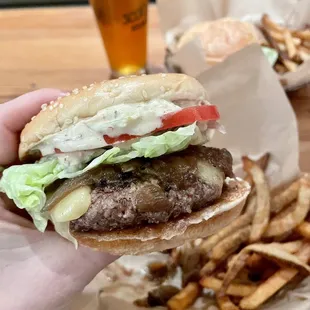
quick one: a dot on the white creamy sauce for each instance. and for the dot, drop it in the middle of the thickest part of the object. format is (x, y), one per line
(133, 119)
(75, 160)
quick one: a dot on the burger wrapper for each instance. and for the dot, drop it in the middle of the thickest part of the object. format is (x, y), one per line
(190, 58)
(258, 119)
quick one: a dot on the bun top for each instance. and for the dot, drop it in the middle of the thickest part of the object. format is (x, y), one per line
(221, 38)
(86, 102)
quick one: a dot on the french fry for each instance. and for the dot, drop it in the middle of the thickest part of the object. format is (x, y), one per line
(302, 34)
(240, 222)
(290, 247)
(234, 289)
(190, 262)
(274, 283)
(254, 261)
(305, 48)
(235, 267)
(185, 298)
(288, 43)
(290, 65)
(268, 288)
(268, 23)
(303, 53)
(221, 275)
(280, 68)
(285, 197)
(262, 162)
(251, 205)
(282, 47)
(283, 224)
(230, 244)
(208, 268)
(304, 252)
(277, 36)
(290, 46)
(261, 216)
(225, 303)
(304, 229)
(280, 39)
(271, 252)
(230, 260)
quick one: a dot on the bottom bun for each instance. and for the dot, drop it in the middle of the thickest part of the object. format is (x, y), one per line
(163, 236)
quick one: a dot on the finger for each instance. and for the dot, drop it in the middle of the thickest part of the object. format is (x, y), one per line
(16, 113)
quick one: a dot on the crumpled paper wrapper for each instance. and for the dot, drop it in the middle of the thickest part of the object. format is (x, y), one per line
(190, 58)
(258, 118)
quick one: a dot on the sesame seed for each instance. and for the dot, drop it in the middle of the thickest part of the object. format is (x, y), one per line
(33, 117)
(163, 75)
(143, 74)
(75, 91)
(58, 98)
(90, 88)
(61, 105)
(55, 104)
(85, 99)
(51, 107)
(144, 94)
(116, 85)
(68, 121)
(121, 77)
(162, 88)
(132, 76)
(43, 106)
(51, 102)
(84, 87)
(91, 85)
(67, 94)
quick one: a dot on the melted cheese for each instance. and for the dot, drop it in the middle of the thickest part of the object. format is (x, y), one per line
(72, 206)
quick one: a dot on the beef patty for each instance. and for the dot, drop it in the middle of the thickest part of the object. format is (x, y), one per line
(148, 191)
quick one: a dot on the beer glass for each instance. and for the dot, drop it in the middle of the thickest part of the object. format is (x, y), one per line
(123, 28)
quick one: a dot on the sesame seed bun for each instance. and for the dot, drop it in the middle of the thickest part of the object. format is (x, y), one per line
(221, 38)
(89, 100)
(159, 237)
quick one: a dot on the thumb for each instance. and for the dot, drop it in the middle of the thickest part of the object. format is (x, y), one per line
(15, 114)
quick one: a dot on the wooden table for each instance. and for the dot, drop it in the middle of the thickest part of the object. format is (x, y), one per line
(61, 47)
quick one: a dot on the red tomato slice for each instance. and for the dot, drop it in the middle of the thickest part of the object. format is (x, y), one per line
(190, 115)
(181, 118)
(121, 138)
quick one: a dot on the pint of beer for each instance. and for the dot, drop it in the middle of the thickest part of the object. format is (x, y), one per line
(123, 27)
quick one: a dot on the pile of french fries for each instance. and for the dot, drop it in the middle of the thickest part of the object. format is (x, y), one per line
(256, 255)
(293, 46)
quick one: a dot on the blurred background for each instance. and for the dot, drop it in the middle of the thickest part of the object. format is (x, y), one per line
(33, 3)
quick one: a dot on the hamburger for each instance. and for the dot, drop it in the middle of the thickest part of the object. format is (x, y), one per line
(220, 38)
(120, 166)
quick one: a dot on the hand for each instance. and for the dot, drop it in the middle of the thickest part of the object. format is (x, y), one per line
(37, 271)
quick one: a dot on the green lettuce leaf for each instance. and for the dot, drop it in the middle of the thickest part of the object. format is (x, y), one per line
(271, 54)
(25, 184)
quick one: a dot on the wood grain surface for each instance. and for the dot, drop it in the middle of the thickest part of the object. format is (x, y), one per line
(61, 47)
